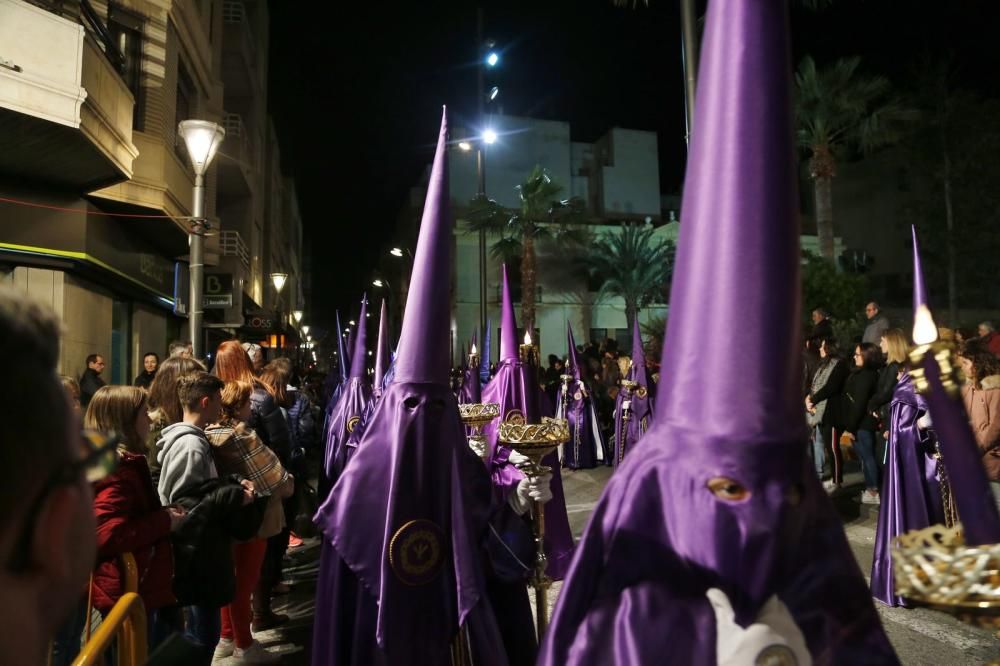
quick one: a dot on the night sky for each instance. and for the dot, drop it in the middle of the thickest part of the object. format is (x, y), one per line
(356, 91)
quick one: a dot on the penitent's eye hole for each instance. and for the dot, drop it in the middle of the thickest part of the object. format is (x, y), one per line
(411, 402)
(727, 489)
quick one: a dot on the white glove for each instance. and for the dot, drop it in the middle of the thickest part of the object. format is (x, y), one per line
(924, 422)
(773, 631)
(517, 459)
(478, 446)
(530, 489)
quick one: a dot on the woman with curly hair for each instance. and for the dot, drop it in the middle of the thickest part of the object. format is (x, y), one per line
(981, 395)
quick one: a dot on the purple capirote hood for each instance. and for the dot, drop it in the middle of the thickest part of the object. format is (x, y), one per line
(659, 537)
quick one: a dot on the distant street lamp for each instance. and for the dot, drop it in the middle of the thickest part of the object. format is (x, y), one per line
(305, 329)
(297, 316)
(202, 139)
(278, 280)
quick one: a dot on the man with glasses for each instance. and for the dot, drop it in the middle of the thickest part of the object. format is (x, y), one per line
(47, 534)
(878, 324)
(90, 380)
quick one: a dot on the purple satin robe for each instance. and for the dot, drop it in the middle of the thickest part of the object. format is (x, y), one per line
(585, 448)
(911, 493)
(515, 389)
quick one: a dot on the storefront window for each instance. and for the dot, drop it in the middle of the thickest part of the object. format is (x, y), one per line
(121, 333)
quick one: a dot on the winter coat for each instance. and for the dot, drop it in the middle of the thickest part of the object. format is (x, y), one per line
(185, 461)
(238, 450)
(881, 400)
(130, 519)
(983, 406)
(875, 328)
(203, 541)
(852, 405)
(268, 422)
(144, 379)
(301, 424)
(827, 383)
(90, 381)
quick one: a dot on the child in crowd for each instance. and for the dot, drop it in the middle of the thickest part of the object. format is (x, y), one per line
(129, 516)
(237, 449)
(219, 510)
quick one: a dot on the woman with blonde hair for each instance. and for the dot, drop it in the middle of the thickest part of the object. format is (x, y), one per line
(894, 349)
(237, 449)
(130, 518)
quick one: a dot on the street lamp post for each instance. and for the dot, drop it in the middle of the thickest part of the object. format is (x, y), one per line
(202, 138)
(278, 280)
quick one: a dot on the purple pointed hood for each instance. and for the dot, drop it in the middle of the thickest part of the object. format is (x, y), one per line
(515, 388)
(471, 392)
(977, 510)
(342, 358)
(572, 359)
(508, 323)
(637, 372)
(919, 290)
(359, 353)
(669, 526)
(586, 447)
(382, 349)
(404, 516)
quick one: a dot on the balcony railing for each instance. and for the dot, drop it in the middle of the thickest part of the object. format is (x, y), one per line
(231, 244)
(237, 141)
(84, 13)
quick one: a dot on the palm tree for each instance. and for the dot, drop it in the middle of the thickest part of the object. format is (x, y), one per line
(839, 109)
(633, 265)
(541, 217)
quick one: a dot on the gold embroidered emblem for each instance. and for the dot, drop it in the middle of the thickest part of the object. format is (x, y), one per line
(515, 416)
(641, 392)
(416, 552)
(352, 423)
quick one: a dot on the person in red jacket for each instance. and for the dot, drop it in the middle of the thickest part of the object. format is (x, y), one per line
(129, 516)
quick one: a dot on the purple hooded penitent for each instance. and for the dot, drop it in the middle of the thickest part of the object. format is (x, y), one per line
(640, 403)
(348, 411)
(515, 388)
(401, 570)
(963, 460)
(471, 392)
(585, 447)
(336, 381)
(378, 381)
(718, 493)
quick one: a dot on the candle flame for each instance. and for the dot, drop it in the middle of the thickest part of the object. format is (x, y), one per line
(527, 338)
(473, 350)
(924, 329)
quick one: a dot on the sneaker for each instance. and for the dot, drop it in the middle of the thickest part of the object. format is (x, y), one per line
(868, 497)
(224, 649)
(830, 487)
(255, 653)
(268, 621)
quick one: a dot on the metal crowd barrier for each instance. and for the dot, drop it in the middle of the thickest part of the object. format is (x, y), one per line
(126, 622)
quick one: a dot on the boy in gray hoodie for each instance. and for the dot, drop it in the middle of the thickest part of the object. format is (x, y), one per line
(203, 571)
(185, 455)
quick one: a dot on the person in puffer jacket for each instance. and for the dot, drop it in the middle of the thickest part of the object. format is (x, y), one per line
(129, 516)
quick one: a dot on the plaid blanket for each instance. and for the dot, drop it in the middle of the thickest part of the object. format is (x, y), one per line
(237, 449)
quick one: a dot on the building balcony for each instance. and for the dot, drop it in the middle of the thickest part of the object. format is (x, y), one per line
(240, 71)
(236, 161)
(65, 111)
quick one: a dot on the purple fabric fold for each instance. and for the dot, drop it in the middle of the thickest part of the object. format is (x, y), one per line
(911, 493)
(586, 447)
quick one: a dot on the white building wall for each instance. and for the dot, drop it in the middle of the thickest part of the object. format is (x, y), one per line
(523, 143)
(631, 181)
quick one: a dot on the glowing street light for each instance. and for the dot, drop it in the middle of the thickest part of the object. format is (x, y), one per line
(466, 147)
(398, 252)
(305, 329)
(492, 59)
(494, 92)
(378, 283)
(297, 316)
(489, 137)
(278, 280)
